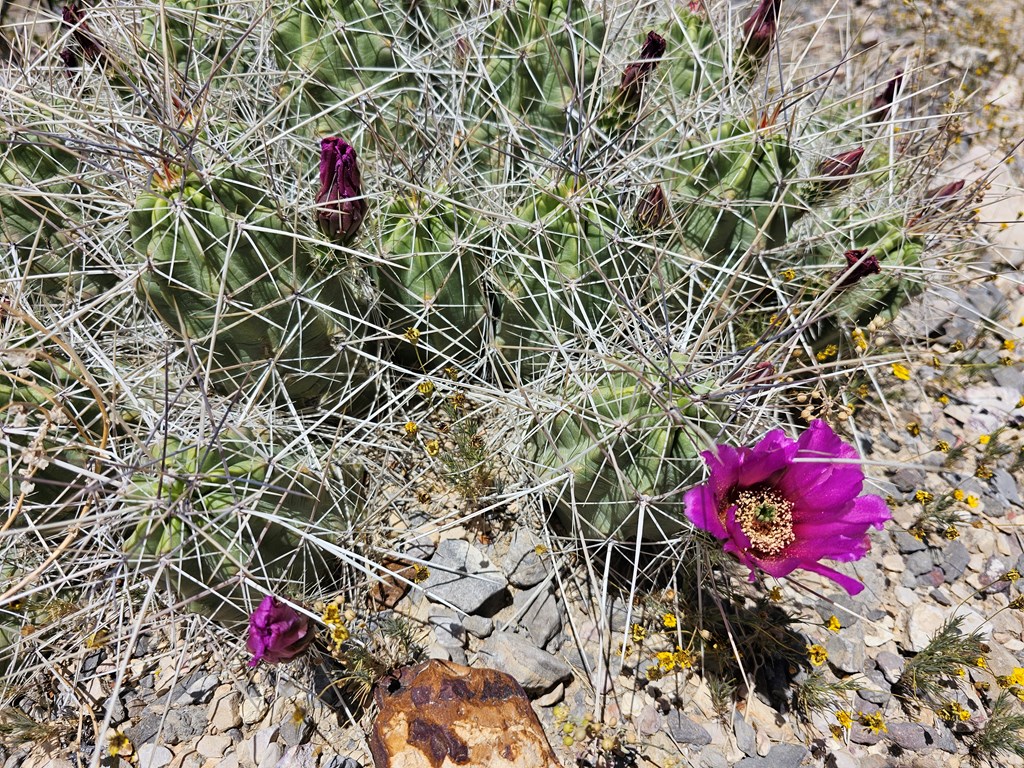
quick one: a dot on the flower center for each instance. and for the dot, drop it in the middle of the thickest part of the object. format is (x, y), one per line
(767, 519)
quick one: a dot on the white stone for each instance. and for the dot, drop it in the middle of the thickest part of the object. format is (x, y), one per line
(153, 756)
(224, 710)
(213, 745)
(894, 563)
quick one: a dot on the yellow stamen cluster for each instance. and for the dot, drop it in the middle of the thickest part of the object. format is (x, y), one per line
(337, 632)
(767, 520)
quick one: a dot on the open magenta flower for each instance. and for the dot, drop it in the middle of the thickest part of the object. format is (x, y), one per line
(787, 504)
(277, 632)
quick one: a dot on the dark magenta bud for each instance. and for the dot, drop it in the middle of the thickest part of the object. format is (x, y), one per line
(74, 18)
(883, 101)
(340, 207)
(835, 172)
(859, 265)
(760, 29)
(942, 195)
(277, 632)
(633, 78)
(652, 209)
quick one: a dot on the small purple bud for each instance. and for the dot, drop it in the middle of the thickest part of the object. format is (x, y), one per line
(652, 209)
(858, 266)
(74, 17)
(942, 195)
(760, 29)
(277, 632)
(883, 101)
(634, 76)
(340, 206)
(835, 172)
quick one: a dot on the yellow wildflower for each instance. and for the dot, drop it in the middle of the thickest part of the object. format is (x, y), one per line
(433, 447)
(637, 633)
(914, 429)
(425, 388)
(120, 745)
(844, 718)
(951, 533)
(666, 660)
(873, 721)
(411, 428)
(788, 275)
(923, 496)
(683, 658)
(833, 625)
(985, 439)
(669, 621)
(971, 501)
(980, 663)
(944, 399)
(959, 494)
(420, 573)
(775, 594)
(1011, 575)
(412, 336)
(817, 655)
(942, 446)
(1009, 345)
(901, 372)
(1016, 677)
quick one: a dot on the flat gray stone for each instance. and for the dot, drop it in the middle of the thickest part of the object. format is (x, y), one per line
(154, 756)
(1006, 486)
(686, 731)
(890, 665)
(955, 559)
(478, 626)
(462, 576)
(909, 736)
(539, 613)
(907, 544)
(300, 756)
(786, 756)
(746, 739)
(522, 565)
(846, 649)
(536, 670)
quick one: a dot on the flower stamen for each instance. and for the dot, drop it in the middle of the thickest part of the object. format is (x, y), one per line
(766, 517)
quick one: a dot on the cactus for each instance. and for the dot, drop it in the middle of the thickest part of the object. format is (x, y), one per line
(230, 275)
(229, 515)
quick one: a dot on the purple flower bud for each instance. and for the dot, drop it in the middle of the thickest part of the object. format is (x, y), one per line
(652, 209)
(277, 632)
(858, 266)
(760, 29)
(944, 194)
(835, 171)
(631, 88)
(340, 208)
(880, 106)
(74, 17)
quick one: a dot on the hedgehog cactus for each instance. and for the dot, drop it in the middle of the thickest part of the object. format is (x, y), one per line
(227, 512)
(231, 276)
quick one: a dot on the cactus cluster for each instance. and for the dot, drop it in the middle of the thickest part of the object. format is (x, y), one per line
(606, 220)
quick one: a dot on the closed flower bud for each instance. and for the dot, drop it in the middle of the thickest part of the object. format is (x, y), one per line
(760, 29)
(937, 200)
(631, 88)
(652, 209)
(74, 18)
(859, 265)
(883, 101)
(340, 208)
(834, 173)
(277, 632)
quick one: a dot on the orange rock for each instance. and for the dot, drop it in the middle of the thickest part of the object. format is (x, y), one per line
(440, 715)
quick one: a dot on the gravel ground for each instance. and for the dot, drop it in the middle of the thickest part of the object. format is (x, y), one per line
(943, 443)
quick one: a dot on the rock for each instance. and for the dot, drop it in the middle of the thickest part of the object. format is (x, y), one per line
(861, 735)
(712, 758)
(146, 729)
(919, 563)
(153, 756)
(955, 559)
(448, 630)
(907, 544)
(1006, 486)
(253, 707)
(686, 731)
(536, 670)
(846, 649)
(908, 479)
(909, 736)
(478, 626)
(539, 613)
(337, 761)
(552, 697)
(786, 756)
(299, 756)
(522, 565)
(890, 665)
(746, 738)
(224, 712)
(259, 747)
(942, 738)
(213, 745)
(991, 575)
(649, 721)
(197, 688)
(183, 723)
(295, 724)
(923, 621)
(461, 576)
(878, 690)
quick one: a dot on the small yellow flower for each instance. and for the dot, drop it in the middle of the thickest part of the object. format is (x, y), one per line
(788, 275)
(959, 494)
(956, 346)
(1017, 677)
(942, 446)
(669, 621)
(1020, 403)
(1017, 603)
(951, 533)
(655, 673)
(637, 633)
(540, 549)
(817, 655)
(859, 340)
(458, 400)
(775, 594)
(433, 447)
(917, 532)
(833, 625)
(983, 472)
(827, 353)
(684, 659)
(420, 573)
(873, 721)
(412, 336)
(425, 388)
(452, 372)
(923, 496)
(1011, 575)
(971, 501)
(411, 428)
(914, 429)
(666, 660)
(980, 663)
(97, 639)
(985, 439)
(944, 399)
(844, 718)
(1009, 345)
(120, 745)
(901, 372)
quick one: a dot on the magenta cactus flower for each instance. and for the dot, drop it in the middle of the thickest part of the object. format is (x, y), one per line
(277, 632)
(786, 505)
(858, 266)
(340, 207)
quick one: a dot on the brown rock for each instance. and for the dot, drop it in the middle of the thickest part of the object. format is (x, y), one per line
(441, 715)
